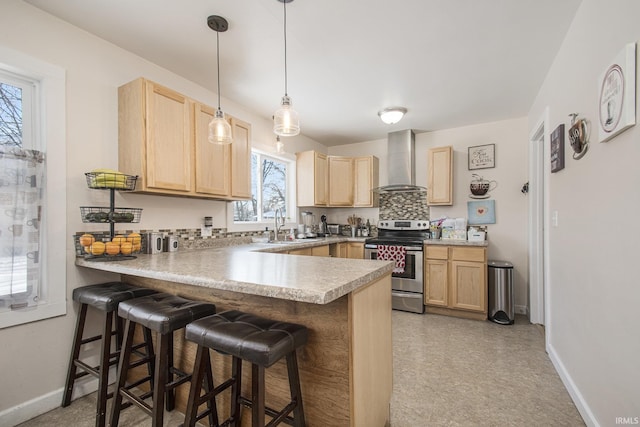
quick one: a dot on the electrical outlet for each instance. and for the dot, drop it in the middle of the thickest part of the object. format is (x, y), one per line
(206, 231)
(554, 219)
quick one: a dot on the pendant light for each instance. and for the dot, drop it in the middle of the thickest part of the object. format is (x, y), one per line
(285, 120)
(219, 128)
(279, 145)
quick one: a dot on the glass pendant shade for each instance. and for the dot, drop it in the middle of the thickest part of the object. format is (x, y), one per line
(285, 120)
(220, 130)
(279, 145)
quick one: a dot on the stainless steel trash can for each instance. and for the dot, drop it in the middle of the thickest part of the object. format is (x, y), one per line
(501, 303)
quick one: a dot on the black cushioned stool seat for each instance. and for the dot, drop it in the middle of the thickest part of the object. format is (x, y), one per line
(104, 297)
(261, 342)
(163, 313)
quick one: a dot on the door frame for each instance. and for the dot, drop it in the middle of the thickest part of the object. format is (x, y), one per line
(539, 170)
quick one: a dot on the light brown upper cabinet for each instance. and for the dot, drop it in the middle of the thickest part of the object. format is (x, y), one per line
(240, 160)
(341, 182)
(440, 179)
(336, 180)
(311, 178)
(366, 171)
(162, 138)
(213, 161)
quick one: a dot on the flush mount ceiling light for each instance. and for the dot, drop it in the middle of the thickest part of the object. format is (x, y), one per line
(392, 115)
(219, 128)
(285, 120)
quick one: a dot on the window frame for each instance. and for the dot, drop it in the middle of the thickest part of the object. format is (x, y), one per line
(49, 113)
(236, 226)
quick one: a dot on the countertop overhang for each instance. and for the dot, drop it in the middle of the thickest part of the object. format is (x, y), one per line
(253, 269)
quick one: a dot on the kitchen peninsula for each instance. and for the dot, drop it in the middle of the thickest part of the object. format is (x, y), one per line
(346, 366)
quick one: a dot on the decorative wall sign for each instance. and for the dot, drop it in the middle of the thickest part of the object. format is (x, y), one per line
(481, 212)
(482, 156)
(617, 95)
(579, 133)
(557, 149)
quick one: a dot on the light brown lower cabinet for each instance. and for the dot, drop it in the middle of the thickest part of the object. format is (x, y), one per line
(354, 250)
(456, 281)
(315, 251)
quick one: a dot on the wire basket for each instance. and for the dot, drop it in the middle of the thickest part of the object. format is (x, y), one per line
(85, 250)
(111, 181)
(96, 214)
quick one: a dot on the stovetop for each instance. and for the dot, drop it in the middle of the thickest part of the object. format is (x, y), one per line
(401, 232)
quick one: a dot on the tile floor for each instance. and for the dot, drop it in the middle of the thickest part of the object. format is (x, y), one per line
(447, 372)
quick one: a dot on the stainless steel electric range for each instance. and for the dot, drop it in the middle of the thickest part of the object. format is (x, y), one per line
(407, 283)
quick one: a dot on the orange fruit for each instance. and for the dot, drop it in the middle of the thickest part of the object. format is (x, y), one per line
(126, 248)
(112, 248)
(87, 249)
(119, 239)
(87, 239)
(97, 248)
(137, 247)
(134, 238)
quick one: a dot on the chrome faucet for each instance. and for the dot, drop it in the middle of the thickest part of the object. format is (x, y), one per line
(279, 224)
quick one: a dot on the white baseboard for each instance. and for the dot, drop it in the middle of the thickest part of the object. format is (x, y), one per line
(45, 403)
(575, 394)
(521, 309)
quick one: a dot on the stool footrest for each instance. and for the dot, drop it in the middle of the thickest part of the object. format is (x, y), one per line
(135, 400)
(277, 416)
(182, 378)
(90, 339)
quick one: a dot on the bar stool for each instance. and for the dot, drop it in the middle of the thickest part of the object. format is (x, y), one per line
(260, 341)
(163, 313)
(104, 297)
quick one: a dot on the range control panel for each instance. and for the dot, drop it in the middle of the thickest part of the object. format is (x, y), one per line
(403, 224)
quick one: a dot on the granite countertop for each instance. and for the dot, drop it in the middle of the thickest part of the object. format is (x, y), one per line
(451, 242)
(253, 269)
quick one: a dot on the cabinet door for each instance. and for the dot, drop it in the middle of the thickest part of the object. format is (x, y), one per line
(212, 161)
(168, 139)
(340, 181)
(366, 179)
(355, 250)
(311, 178)
(440, 178)
(241, 160)
(320, 250)
(436, 281)
(303, 251)
(468, 286)
(320, 179)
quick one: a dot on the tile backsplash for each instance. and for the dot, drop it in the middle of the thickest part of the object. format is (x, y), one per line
(404, 205)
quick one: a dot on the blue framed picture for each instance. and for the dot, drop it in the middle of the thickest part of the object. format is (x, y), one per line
(481, 212)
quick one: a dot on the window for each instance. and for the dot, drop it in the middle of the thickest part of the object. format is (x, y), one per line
(270, 190)
(32, 189)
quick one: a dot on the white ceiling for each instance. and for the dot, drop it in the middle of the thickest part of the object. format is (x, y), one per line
(450, 63)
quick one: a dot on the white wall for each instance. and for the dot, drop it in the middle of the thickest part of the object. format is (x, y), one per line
(508, 237)
(34, 357)
(593, 333)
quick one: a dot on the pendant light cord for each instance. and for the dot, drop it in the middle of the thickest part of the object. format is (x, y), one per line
(284, 5)
(218, 61)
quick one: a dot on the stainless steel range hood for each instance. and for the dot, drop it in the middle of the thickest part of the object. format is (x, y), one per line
(401, 163)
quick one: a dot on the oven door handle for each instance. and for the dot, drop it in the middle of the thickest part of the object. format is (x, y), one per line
(407, 248)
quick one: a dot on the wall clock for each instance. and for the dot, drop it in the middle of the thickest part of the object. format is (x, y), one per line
(617, 95)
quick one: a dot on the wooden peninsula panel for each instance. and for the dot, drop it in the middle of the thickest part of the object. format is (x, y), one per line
(345, 368)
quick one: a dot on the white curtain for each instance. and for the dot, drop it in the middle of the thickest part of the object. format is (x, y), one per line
(22, 175)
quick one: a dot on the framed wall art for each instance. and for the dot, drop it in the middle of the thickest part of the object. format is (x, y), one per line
(557, 149)
(482, 156)
(617, 95)
(481, 212)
